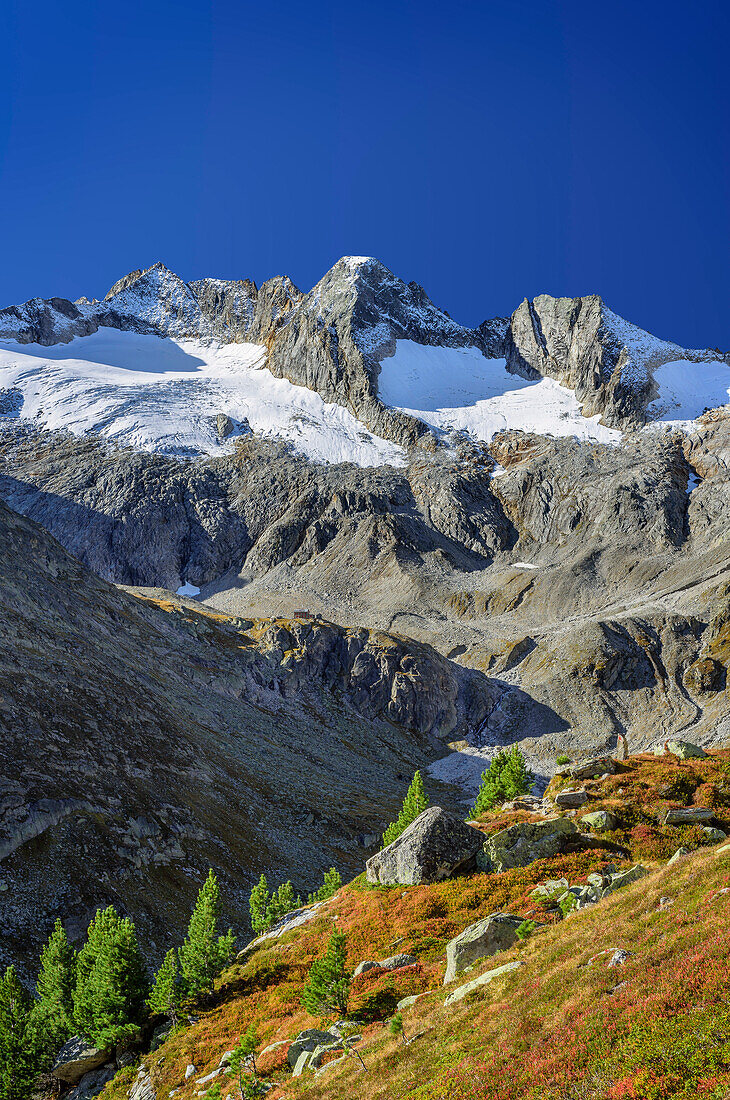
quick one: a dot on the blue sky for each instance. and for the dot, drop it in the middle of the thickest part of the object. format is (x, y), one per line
(487, 150)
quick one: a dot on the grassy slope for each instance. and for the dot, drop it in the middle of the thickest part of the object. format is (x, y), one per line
(558, 1029)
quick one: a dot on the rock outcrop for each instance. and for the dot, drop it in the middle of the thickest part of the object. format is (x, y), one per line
(431, 849)
(480, 940)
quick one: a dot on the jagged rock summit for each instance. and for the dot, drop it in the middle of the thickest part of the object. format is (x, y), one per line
(364, 341)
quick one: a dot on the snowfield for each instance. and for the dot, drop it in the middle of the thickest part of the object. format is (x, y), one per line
(458, 389)
(687, 389)
(165, 395)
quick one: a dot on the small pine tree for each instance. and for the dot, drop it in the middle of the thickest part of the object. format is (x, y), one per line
(396, 1027)
(51, 1016)
(166, 992)
(244, 1053)
(414, 804)
(331, 884)
(205, 952)
(19, 1059)
(517, 776)
(328, 988)
(258, 904)
(281, 903)
(506, 777)
(111, 980)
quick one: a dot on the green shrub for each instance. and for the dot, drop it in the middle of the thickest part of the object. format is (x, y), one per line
(563, 758)
(524, 930)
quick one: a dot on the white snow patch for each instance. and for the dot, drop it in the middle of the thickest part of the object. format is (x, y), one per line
(164, 395)
(188, 589)
(458, 389)
(688, 389)
(523, 565)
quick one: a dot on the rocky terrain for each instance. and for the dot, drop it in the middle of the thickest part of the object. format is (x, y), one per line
(385, 584)
(537, 950)
(144, 739)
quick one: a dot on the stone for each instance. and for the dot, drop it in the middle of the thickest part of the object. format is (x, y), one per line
(142, 1088)
(408, 1002)
(571, 800)
(301, 1063)
(680, 854)
(306, 1042)
(395, 962)
(724, 851)
(189, 1071)
(91, 1084)
(625, 878)
(224, 425)
(461, 991)
(209, 1077)
(487, 937)
(315, 1058)
(431, 849)
(77, 1057)
(714, 836)
(688, 815)
(600, 821)
(685, 750)
(591, 769)
(619, 957)
(523, 843)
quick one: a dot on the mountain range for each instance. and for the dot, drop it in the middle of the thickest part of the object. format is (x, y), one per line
(265, 552)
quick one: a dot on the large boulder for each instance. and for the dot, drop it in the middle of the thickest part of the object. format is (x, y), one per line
(487, 937)
(394, 962)
(625, 878)
(78, 1057)
(571, 800)
(600, 821)
(431, 849)
(306, 1042)
(685, 750)
(591, 769)
(92, 1083)
(689, 815)
(523, 843)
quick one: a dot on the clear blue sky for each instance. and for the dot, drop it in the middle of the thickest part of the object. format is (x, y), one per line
(487, 150)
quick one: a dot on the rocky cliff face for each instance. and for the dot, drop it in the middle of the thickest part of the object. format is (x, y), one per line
(607, 361)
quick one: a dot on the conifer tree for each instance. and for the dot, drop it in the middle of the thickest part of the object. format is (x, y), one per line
(166, 991)
(281, 903)
(243, 1054)
(258, 904)
(51, 1016)
(414, 804)
(328, 988)
(111, 981)
(19, 1061)
(328, 889)
(506, 777)
(205, 952)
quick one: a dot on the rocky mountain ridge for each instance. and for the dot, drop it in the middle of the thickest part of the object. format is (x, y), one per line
(334, 339)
